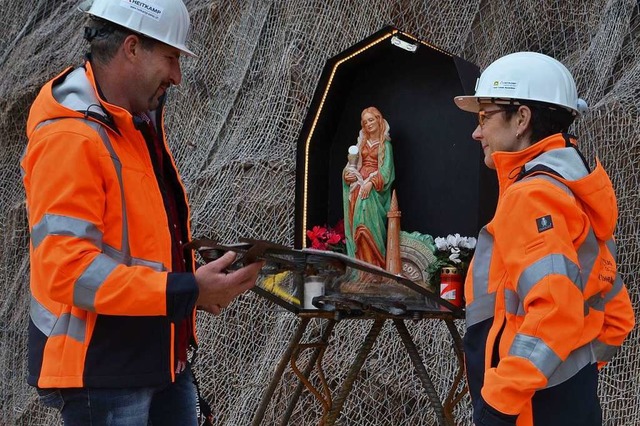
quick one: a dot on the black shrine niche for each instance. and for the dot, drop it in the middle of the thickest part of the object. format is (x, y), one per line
(442, 184)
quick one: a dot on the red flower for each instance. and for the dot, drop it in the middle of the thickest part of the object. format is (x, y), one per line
(327, 238)
(339, 228)
(333, 237)
(317, 233)
(318, 245)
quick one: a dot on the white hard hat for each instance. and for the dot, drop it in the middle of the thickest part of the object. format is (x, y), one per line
(163, 20)
(525, 76)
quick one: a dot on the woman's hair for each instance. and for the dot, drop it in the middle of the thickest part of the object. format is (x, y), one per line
(546, 120)
(105, 38)
(382, 130)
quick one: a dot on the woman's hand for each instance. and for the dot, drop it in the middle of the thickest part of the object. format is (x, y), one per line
(366, 189)
(350, 177)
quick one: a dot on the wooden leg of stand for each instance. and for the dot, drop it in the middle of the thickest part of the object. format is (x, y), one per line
(345, 389)
(421, 371)
(268, 394)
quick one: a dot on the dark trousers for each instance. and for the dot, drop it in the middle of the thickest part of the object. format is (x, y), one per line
(173, 404)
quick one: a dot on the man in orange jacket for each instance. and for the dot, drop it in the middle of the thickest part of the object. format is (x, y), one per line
(546, 307)
(113, 295)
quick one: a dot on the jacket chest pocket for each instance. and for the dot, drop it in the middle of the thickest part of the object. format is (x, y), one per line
(146, 216)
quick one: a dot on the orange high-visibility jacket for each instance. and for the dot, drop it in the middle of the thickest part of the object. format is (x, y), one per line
(544, 299)
(104, 303)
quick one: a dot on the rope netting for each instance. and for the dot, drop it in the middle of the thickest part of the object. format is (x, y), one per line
(233, 126)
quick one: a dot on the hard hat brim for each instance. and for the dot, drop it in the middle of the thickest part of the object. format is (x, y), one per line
(184, 50)
(467, 103)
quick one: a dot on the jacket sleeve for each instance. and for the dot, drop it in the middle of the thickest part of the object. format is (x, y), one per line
(618, 322)
(485, 415)
(535, 228)
(64, 178)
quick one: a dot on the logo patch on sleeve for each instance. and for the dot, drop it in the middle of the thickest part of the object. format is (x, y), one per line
(544, 223)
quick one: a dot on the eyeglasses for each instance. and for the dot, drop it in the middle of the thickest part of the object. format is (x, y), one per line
(482, 115)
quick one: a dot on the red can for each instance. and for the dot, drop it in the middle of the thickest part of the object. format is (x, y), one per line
(451, 285)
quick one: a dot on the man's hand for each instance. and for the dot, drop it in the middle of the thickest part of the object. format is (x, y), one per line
(218, 288)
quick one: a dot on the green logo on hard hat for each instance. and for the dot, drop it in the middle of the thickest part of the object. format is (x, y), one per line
(496, 83)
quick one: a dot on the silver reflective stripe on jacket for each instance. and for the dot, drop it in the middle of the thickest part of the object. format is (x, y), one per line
(545, 359)
(557, 264)
(53, 224)
(51, 325)
(553, 264)
(90, 281)
(119, 257)
(118, 166)
(483, 305)
(533, 348)
(604, 352)
(588, 253)
(565, 161)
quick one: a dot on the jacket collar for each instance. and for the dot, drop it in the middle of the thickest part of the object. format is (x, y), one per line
(593, 189)
(78, 90)
(510, 164)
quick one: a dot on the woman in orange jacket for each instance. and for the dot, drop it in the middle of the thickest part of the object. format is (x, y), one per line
(546, 307)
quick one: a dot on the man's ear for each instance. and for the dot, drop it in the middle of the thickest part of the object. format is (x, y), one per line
(131, 46)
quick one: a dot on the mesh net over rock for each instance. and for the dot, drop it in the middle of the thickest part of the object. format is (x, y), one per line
(233, 126)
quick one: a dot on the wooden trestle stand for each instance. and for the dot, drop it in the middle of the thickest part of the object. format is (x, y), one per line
(332, 406)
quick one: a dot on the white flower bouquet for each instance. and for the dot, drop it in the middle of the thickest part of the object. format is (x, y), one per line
(452, 250)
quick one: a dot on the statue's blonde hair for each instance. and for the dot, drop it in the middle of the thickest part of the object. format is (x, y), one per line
(383, 130)
(383, 127)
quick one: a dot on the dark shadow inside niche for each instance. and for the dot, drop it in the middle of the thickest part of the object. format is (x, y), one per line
(442, 184)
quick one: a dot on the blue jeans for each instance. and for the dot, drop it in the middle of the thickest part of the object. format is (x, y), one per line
(173, 404)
